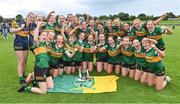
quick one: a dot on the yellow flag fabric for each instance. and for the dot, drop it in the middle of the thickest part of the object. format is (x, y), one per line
(97, 84)
(103, 84)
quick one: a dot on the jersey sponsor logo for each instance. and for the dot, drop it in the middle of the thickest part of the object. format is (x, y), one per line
(139, 55)
(157, 37)
(112, 53)
(153, 59)
(126, 53)
(40, 50)
(140, 33)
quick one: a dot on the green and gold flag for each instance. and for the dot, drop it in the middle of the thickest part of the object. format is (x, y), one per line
(97, 84)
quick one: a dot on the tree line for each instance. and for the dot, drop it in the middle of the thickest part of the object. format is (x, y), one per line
(123, 16)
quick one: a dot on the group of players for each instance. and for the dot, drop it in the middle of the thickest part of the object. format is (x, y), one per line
(68, 45)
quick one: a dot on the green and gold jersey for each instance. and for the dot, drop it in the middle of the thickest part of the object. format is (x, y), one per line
(156, 34)
(128, 55)
(114, 56)
(79, 31)
(131, 34)
(114, 31)
(78, 56)
(87, 54)
(140, 57)
(152, 56)
(101, 55)
(119, 32)
(41, 54)
(154, 60)
(94, 29)
(56, 54)
(141, 33)
(48, 27)
(71, 47)
(50, 44)
(57, 28)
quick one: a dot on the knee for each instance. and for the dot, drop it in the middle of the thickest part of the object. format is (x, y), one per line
(142, 81)
(68, 72)
(150, 84)
(117, 72)
(43, 92)
(99, 70)
(136, 78)
(51, 86)
(158, 88)
(25, 60)
(109, 72)
(124, 74)
(21, 62)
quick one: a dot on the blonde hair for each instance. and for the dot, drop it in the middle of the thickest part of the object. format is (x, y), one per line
(117, 19)
(64, 41)
(136, 20)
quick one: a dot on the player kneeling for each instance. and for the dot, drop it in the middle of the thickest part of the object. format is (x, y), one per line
(42, 68)
(154, 57)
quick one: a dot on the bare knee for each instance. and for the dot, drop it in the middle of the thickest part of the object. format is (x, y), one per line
(43, 92)
(150, 84)
(21, 62)
(136, 78)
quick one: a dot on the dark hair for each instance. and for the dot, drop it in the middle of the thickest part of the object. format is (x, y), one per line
(69, 15)
(49, 15)
(82, 22)
(100, 23)
(128, 23)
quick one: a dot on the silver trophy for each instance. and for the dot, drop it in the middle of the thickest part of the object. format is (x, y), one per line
(84, 75)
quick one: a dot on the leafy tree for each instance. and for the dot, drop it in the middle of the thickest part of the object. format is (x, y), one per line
(103, 17)
(132, 17)
(142, 16)
(171, 15)
(124, 16)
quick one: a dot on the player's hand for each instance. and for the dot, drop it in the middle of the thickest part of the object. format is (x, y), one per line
(76, 49)
(153, 46)
(22, 26)
(92, 49)
(77, 27)
(41, 24)
(81, 49)
(64, 24)
(163, 27)
(164, 15)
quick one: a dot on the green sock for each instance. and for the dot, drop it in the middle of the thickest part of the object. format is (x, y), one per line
(21, 78)
(28, 89)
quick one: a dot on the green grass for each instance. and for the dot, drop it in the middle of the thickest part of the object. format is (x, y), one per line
(128, 90)
(163, 22)
(170, 22)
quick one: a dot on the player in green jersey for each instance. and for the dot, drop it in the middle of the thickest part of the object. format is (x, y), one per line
(114, 57)
(42, 68)
(101, 54)
(155, 33)
(141, 29)
(128, 60)
(56, 54)
(154, 57)
(88, 51)
(129, 31)
(51, 19)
